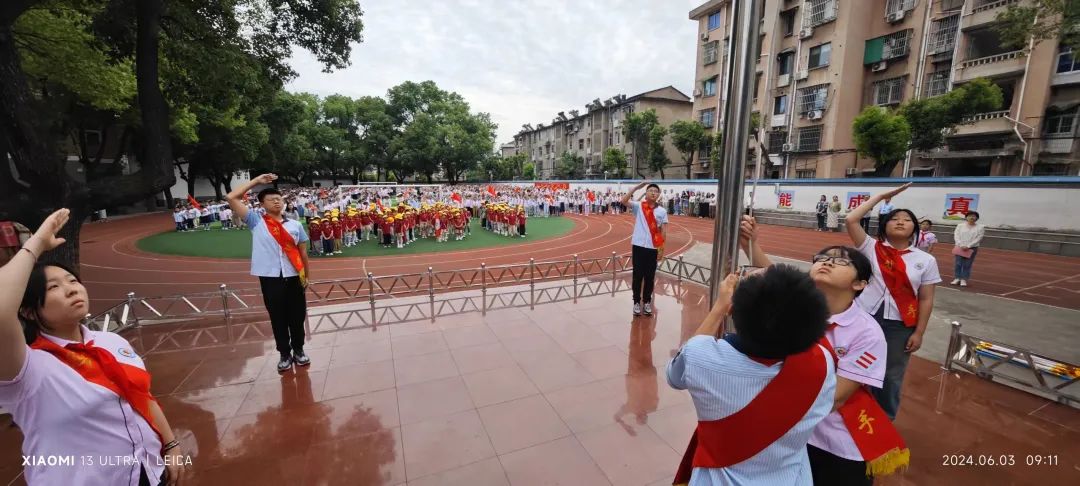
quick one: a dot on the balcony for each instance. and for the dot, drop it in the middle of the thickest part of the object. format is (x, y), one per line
(985, 13)
(996, 66)
(985, 123)
(1064, 79)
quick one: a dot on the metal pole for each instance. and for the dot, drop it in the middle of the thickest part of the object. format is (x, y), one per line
(131, 309)
(729, 190)
(371, 295)
(431, 291)
(225, 300)
(575, 277)
(679, 271)
(483, 289)
(532, 284)
(954, 343)
(614, 263)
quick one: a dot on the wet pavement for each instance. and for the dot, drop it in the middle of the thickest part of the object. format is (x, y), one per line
(566, 393)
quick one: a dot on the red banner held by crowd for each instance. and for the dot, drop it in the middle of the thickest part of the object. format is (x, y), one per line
(456, 197)
(491, 190)
(554, 186)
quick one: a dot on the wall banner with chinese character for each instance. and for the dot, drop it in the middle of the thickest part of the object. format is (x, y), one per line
(854, 199)
(957, 205)
(785, 199)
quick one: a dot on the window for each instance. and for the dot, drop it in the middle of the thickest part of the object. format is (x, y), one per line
(889, 91)
(788, 19)
(937, 84)
(887, 47)
(707, 117)
(757, 86)
(1060, 122)
(777, 139)
(819, 55)
(714, 20)
(581, 144)
(705, 152)
(894, 6)
(1051, 170)
(786, 62)
(711, 50)
(805, 173)
(780, 105)
(943, 34)
(810, 138)
(820, 12)
(709, 86)
(813, 98)
(1067, 62)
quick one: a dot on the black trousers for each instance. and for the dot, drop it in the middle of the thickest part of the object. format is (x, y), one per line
(287, 306)
(831, 469)
(821, 221)
(644, 260)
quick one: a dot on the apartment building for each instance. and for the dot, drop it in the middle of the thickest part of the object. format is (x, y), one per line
(588, 134)
(822, 61)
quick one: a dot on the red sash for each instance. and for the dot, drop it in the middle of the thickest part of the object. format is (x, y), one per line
(288, 246)
(770, 415)
(647, 209)
(98, 366)
(878, 441)
(894, 274)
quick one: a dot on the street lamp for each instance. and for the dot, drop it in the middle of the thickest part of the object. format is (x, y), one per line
(605, 175)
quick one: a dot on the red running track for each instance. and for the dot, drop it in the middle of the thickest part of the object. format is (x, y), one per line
(112, 266)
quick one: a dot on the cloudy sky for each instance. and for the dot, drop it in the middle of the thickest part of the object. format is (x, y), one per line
(522, 61)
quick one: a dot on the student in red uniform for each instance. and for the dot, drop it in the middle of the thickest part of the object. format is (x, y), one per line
(386, 228)
(315, 231)
(74, 391)
(399, 233)
(365, 224)
(521, 221)
(339, 232)
(327, 232)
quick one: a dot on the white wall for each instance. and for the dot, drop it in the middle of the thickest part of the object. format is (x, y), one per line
(1030, 203)
(203, 188)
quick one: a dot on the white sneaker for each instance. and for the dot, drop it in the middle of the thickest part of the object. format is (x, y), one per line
(963, 283)
(648, 308)
(637, 309)
(955, 281)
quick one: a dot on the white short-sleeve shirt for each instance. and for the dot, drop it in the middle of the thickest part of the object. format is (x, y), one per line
(860, 349)
(722, 381)
(922, 270)
(65, 417)
(642, 237)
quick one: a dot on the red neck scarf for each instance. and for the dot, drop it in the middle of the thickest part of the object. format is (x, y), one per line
(98, 366)
(878, 441)
(894, 274)
(763, 421)
(647, 209)
(288, 246)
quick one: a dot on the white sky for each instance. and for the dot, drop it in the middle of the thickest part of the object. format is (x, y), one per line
(522, 61)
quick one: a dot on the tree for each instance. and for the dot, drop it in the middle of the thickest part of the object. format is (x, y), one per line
(1038, 21)
(517, 165)
(570, 166)
(657, 156)
(375, 127)
(931, 119)
(883, 136)
(637, 128)
(615, 162)
(688, 136)
(528, 171)
(717, 143)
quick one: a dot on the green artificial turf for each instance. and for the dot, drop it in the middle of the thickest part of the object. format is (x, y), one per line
(218, 243)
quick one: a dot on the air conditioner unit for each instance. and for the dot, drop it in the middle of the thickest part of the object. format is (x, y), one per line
(783, 80)
(940, 50)
(697, 92)
(801, 75)
(787, 147)
(879, 66)
(806, 32)
(815, 115)
(704, 37)
(895, 17)
(851, 171)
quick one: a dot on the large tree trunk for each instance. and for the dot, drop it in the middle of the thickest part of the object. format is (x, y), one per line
(191, 185)
(689, 164)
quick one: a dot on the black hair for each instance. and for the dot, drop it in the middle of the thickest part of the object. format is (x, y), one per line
(969, 213)
(34, 298)
(269, 191)
(892, 214)
(863, 270)
(779, 312)
(928, 222)
(650, 186)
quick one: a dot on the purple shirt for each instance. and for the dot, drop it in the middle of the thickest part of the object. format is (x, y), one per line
(860, 350)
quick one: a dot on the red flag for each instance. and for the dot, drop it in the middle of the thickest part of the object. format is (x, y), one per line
(191, 199)
(378, 202)
(456, 197)
(491, 190)
(591, 196)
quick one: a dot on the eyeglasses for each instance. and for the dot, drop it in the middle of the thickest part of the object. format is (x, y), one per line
(835, 260)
